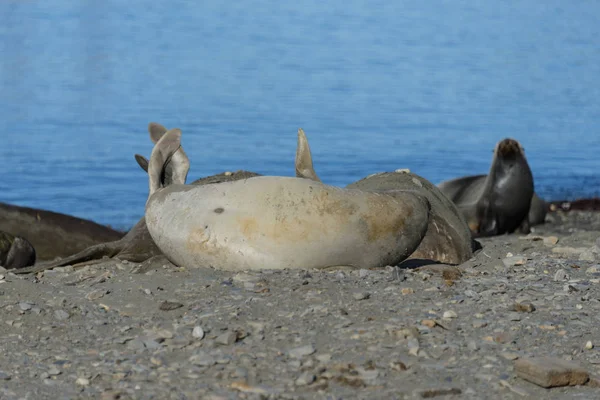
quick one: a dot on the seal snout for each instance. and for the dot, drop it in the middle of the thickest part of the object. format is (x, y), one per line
(508, 148)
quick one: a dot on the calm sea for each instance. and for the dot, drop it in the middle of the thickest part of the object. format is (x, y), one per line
(377, 85)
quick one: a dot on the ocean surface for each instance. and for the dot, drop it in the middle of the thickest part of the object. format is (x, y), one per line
(378, 85)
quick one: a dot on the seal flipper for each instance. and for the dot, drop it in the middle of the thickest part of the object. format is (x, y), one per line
(303, 162)
(162, 152)
(142, 161)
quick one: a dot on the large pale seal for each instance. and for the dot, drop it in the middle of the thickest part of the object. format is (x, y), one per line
(448, 239)
(137, 245)
(275, 222)
(15, 251)
(500, 201)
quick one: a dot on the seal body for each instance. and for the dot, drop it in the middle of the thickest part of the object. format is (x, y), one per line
(448, 238)
(53, 234)
(282, 222)
(15, 251)
(498, 202)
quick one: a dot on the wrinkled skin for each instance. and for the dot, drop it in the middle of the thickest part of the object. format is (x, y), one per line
(15, 252)
(137, 245)
(53, 234)
(448, 239)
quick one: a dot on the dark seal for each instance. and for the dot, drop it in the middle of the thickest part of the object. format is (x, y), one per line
(15, 251)
(500, 201)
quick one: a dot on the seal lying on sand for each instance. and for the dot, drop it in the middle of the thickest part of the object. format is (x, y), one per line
(15, 252)
(448, 239)
(500, 201)
(53, 234)
(272, 222)
(137, 245)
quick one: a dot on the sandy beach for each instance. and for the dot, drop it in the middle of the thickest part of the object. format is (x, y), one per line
(115, 330)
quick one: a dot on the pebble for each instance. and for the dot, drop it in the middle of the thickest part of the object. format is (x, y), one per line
(198, 332)
(363, 273)
(513, 261)
(408, 290)
(592, 270)
(561, 275)
(82, 382)
(202, 360)
(302, 351)
(437, 392)
(550, 372)
(169, 305)
(25, 306)
(449, 314)
(4, 376)
(96, 294)
(524, 307)
(305, 378)
(226, 338)
(589, 345)
(361, 296)
(61, 315)
(550, 240)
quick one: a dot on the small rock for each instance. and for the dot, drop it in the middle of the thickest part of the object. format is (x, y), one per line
(306, 378)
(169, 305)
(589, 345)
(202, 360)
(593, 270)
(96, 294)
(82, 382)
(61, 315)
(561, 275)
(361, 296)
(53, 371)
(569, 251)
(4, 376)
(431, 393)
(514, 261)
(550, 240)
(413, 346)
(363, 273)
(198, 332)
(472, 294)
(25, 306)
(550, 372)
(524, 307)
(302, 351)
(408, 290)
(449, 314)
(226, 338)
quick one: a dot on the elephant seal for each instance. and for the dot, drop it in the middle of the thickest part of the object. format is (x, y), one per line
(137, 245)
(15, 251)
(448, 239)
(273, 222)
(53, 234)
(500, 201)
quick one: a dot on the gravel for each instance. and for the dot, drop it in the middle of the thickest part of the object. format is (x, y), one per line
(434, 331)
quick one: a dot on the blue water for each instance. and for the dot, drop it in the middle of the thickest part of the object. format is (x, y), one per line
(377, 86)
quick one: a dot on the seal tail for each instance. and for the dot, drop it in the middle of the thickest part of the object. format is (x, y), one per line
(304, 163)
(162, 153)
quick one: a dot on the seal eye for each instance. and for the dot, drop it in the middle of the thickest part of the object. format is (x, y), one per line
(219, 210)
